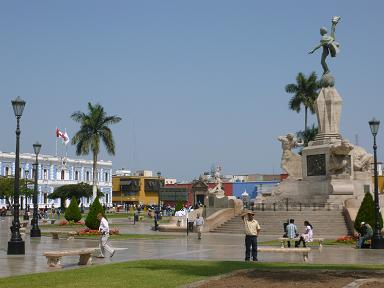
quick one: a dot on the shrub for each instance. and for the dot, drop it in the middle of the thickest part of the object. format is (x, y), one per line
(72, 213)
(179, 206)
(91, 221)
(366, 213)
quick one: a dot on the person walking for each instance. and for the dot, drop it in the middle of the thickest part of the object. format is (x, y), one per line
(156, 218)
(291, 231)
(307, 236)
(58, 211)
(104, 231)
(199, 222)
(46, 212)
(251, 230)
(136, 216)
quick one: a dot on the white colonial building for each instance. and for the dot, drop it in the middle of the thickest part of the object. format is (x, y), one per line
(54, 171)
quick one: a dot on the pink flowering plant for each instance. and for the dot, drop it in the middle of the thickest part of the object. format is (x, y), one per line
(347, 239)
(87, 231)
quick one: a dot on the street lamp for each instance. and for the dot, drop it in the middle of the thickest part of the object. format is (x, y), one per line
(35, 230)
(158, 189)
(26, 216)
(16, 245)
(377, 240)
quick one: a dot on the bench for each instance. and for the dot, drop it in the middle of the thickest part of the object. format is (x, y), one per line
(284, 240)
(54, 257)
(71, 234)
(44, 221)
(303, 251)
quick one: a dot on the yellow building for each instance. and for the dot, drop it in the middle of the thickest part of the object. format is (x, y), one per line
(380, 180)
(136, 189)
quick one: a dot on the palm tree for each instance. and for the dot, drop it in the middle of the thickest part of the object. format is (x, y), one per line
(308, 135)
(93, 129)
(305, 93)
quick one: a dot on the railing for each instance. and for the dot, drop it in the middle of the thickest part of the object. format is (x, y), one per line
(295, 206)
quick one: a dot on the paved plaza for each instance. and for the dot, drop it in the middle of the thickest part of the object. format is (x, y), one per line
(211, 247)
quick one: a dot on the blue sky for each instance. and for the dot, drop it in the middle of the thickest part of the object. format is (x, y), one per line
(197, 83)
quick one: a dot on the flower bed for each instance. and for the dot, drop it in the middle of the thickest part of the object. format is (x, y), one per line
(346, 240)
(87, 231)
(65, 222)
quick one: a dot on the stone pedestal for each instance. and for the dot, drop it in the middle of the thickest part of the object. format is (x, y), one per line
(318, 164)
(328, 111)
(329, 174)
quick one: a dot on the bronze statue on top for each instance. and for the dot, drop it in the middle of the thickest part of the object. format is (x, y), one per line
(330, 46)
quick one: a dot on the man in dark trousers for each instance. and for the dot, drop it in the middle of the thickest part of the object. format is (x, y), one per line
(366, 234)
(251, 230)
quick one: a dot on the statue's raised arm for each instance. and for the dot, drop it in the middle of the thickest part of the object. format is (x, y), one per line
(335, 20)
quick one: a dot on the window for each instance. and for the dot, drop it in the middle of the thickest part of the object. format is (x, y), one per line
(106, 177)
(7, 171)
(62, 174)
(33, 173)
(76, 175)
(45, 174)
(87, 176)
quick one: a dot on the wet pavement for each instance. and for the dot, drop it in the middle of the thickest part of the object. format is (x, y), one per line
(210, 247)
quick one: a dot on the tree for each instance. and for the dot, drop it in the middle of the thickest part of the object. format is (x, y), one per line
(305, 93)
(73, 190)
(366, 213)
(72, 213)
(91, 221)
(308, 135)
(93, 129)
(179, 206)
(7, 188)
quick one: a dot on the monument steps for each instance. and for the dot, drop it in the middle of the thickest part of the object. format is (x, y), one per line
(329, 224)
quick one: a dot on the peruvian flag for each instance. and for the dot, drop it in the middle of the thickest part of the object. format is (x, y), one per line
(63, 135)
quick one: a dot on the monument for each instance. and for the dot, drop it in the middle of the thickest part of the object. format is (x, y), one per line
(217, 190)
(330, 169)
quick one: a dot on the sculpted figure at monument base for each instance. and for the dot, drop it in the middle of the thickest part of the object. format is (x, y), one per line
(362, 160)
(290, 161)
(339, 156)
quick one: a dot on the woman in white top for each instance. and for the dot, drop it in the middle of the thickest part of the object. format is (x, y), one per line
(307, 236)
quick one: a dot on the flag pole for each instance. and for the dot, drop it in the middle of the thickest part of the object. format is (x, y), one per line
(65, 143)
(56, 141)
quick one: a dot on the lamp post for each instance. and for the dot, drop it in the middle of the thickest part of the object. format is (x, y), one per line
(158, 189)
(26, 216)
(35, 230)
(377, 240)
(16, 245)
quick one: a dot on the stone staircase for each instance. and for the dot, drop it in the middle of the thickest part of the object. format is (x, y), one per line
(327, 224)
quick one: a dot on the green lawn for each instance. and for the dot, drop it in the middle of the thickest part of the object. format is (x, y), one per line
(327, 242)
(121, 236)
(131, 236)
(153, 273)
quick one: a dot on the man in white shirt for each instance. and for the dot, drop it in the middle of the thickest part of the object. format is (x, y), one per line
(199, 222)
(251, 230)
(104, 232)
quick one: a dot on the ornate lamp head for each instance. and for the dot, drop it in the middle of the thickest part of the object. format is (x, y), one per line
(374, 125)
(18, 106)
